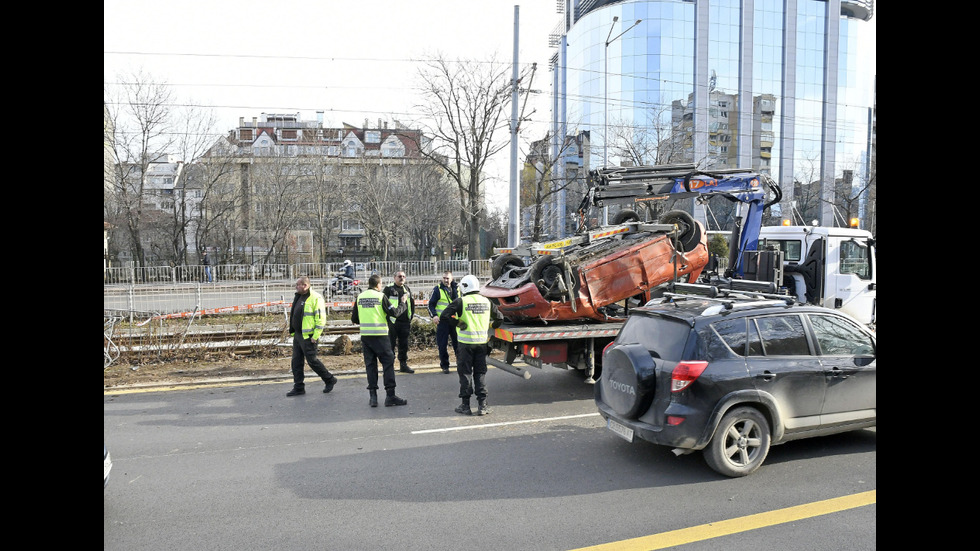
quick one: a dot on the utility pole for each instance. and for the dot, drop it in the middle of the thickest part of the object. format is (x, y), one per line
(513, 224)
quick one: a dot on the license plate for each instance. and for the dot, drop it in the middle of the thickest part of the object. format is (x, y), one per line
(623, 431)
(534, 362)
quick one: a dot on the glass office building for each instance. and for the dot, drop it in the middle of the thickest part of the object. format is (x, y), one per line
(779, 86)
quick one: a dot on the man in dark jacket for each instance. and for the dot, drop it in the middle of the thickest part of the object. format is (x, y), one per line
(307, 319)
(400, 327)
(442, 295)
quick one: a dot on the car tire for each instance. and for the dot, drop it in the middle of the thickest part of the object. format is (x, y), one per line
(625, 215)
(690, 231)
(740, 444)
(503, 263)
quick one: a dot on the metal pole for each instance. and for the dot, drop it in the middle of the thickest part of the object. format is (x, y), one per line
(514, 220)
(605, 109)
(605, 100)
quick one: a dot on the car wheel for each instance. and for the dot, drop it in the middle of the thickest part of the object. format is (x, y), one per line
(689, 230)
(626, 215)
(503, 263)
(740, 444)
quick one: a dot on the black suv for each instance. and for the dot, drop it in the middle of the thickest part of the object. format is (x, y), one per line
(733, 376)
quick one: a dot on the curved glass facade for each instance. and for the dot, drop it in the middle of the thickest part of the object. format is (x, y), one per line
(775, 85)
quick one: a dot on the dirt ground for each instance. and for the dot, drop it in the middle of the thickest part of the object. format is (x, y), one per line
(231, 367)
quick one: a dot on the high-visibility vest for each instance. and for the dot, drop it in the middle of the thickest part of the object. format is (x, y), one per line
(314, 316)
(476, 314)
(443, 301)
(371, 314)
(393, 300)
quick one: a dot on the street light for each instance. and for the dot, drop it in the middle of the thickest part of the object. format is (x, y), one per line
(605, 100)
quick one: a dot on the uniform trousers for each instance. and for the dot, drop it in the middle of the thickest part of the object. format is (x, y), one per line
(377, 349)
(471, 366)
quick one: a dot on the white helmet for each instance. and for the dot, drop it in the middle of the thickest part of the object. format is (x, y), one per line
(469, 284)
(347, 263)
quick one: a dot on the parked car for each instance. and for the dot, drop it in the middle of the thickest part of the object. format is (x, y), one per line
(733, 376)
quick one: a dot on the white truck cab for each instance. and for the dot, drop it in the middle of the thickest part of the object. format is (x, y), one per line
(831, 267)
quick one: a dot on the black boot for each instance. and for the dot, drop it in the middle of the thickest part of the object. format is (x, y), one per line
(373, 400)
(297, 390)
(392, 400)
(464, 408)
(406, 369)
(330, 384)
(483, 408)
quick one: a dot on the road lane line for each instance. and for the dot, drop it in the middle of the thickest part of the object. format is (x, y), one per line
(740, 524)
(490, 425)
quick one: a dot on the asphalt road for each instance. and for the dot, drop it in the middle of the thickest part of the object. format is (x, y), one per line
(244, 467)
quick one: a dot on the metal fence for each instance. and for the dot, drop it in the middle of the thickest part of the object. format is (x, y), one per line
(273, 272)
(268, 288)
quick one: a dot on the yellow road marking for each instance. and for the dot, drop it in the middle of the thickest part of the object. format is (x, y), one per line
(741, 524)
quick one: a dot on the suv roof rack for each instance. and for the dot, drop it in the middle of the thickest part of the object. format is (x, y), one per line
(726, 299)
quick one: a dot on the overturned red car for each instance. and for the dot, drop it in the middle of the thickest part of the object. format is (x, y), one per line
(583, 278)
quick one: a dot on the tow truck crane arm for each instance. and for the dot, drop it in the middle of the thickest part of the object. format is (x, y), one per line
(657, 183)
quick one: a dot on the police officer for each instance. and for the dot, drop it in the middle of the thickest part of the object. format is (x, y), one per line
(399, 328)
(443, 294)
(473, 321)
(307, 319)
(371, 312)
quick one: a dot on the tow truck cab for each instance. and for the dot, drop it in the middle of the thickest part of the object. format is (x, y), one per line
(831, 267)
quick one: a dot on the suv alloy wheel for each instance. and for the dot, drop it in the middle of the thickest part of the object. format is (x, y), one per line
(740, 444)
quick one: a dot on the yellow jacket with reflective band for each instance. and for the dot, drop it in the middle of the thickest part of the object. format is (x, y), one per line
(476, 314)
(314, 316)
(371, 314)
(443, 301)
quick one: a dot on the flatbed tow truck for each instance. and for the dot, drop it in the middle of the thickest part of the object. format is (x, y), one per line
(572, 298)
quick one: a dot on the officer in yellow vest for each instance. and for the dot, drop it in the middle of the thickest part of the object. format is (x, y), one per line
(307, 319)
(371, 311)
(475, 314)
(443, 294)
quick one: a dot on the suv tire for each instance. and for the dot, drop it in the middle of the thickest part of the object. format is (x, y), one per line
(740, 444)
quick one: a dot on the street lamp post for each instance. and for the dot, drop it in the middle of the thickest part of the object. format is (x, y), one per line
(605, 99)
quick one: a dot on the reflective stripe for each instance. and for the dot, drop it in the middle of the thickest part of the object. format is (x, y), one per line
(393, 301)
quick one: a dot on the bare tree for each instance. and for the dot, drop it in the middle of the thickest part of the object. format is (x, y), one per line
(540, 181)
(139, 119)
(433, 207)
(323, 186)
(373, 192)
(214, 176)
(194, 137)
(465, 113)
(654, 143)
(276, 202)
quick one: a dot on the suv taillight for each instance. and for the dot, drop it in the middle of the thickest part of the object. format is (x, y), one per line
(686, 373)
(606, 348)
